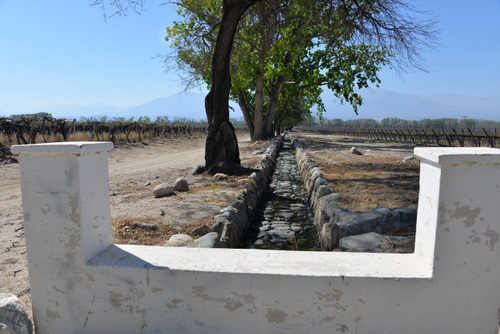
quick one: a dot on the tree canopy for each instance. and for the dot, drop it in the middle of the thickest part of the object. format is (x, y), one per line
(286, 52)
(343, 44)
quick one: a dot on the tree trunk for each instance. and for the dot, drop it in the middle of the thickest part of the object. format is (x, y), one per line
(276, 126)
(258, 122)
(273, 105)
(221, 148)
(245, 110)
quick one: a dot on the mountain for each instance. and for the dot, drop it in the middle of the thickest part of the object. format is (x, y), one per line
(380, 103)
(480, 107)
(181, 105)
(377, 104)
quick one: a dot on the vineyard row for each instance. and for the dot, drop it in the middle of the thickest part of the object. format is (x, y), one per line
(34, 130)
(423, 137)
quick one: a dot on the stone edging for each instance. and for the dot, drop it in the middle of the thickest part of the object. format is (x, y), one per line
(233, 222)
(334, 222)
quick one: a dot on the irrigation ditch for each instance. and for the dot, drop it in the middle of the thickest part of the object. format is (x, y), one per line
(288, 205)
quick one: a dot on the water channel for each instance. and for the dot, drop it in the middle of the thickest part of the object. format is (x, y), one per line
(285, 221)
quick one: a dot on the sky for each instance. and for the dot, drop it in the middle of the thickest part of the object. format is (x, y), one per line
(60, 52)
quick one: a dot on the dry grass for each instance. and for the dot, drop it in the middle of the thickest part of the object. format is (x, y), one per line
(125, 233)
(376, 182)
(367, 182)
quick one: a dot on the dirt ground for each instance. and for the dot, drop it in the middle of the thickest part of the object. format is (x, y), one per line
(378, 178)
(135, 169)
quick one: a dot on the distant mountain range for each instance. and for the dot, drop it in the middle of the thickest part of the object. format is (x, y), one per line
(377, 104)
(380, 103)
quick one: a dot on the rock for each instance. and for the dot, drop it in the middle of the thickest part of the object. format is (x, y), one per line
(209, 240)
(147, 184)
(282, 232)
(258, 152)
(163, 190)
(354, 150)
(13, 317)
(374, 242)
(220, 176)
(198, 169)
(201, 230)
(286, 214)
(256, 177)
(181, 184)
(259, 242)
(146, 226)
(379, 220)
(324, 190)
(407, 159)
(180, 240)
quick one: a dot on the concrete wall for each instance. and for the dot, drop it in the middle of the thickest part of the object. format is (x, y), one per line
(82, 283)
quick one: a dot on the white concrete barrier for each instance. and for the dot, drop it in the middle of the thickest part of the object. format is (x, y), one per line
(82, 283)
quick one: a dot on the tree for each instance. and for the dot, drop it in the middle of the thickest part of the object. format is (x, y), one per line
(221, 148)
(285, 51)
(384, 24)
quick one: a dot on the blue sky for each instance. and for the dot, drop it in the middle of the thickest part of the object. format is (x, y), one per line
(64, 53)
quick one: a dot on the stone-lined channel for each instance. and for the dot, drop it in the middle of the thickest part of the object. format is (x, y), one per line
(284, 221)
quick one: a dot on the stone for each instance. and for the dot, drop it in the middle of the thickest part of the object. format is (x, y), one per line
(407, 159)
(209, 240)
(285, 214)
(319, 181)
(163, 190)
(180, 240)
(380, 220)
(354, 150)
(323, 190)
(220, 177)
(257, 152)
(282, 232)
(374, 242)
(198, 169)
(181, 184)
(143, 225)
(13, 317)
(259, 242)
(201, 230)
(256, 177)
(362, 242)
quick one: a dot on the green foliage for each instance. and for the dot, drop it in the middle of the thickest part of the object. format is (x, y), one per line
(283, 55)
(98, 118)
(162, 120)
(285, 52)
(188, 121)
(39, 115)
(238, 121)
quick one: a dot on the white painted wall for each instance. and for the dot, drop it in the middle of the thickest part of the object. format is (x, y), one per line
(82, 283)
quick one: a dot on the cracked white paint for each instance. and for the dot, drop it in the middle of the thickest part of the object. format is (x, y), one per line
(82, 283)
